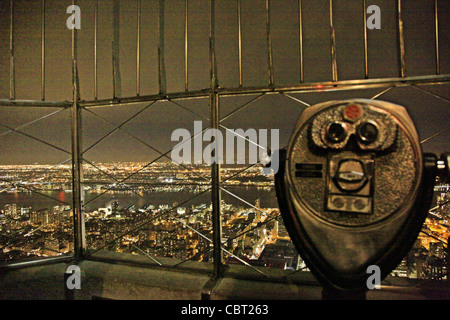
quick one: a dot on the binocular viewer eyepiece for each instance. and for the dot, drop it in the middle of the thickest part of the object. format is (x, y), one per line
(354, 188)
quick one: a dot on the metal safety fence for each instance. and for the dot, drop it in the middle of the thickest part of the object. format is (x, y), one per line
(234, 81)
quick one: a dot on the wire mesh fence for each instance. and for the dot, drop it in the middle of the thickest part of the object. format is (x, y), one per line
(137, 70)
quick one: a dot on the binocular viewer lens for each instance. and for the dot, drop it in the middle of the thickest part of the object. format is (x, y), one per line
(337, 131)
(372, 127)
(368, 132)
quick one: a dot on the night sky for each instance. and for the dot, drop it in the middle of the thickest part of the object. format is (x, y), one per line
(156, 123)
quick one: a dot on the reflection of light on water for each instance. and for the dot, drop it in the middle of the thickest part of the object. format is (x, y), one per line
(62, 196)
(140, 200)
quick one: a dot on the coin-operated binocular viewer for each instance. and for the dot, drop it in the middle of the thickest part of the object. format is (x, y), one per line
(354, 189)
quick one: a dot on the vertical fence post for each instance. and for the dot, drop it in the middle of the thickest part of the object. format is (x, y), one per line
(216, 193)
(43, 50)
(161, 58)
(366, 63)
(215, 166)
(186, 43)
(300, 39)
(95, 49)
(269, 44)
(239, 21)
(78, 218)
(77, 173)
(334, 70)
(138, 49)
(12, 83)
(117, 87)
(436, 31)
(401, 39)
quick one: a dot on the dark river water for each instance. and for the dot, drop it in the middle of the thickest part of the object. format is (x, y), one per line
(48, 199)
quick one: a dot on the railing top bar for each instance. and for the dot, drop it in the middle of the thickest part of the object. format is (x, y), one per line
(34, 103)
(146, 98)
(36, 262)
(304, 87)
(342, 85)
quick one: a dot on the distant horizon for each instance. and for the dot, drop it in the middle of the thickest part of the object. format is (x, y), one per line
(125, 162)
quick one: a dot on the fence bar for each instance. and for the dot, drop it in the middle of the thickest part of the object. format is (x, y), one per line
(401, 39)
(34, 103)
(43, 51)
(138, 47)
(114, 75)
(215, 166)
(76, 173)
(305, 87)
(300, 33)
(186, 13)
(116, 50)
(379, 94)
(12, 83)
(161, 64)
(216, 193)
(269, 44)
(333, 45)
(95, 49)
(78, 218)
(366, 64)
(436, 29)
(239, 20)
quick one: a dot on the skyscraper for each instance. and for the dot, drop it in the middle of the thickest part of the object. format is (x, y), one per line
(115, 207)
(11, 210)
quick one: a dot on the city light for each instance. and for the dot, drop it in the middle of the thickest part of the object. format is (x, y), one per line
(36, 216)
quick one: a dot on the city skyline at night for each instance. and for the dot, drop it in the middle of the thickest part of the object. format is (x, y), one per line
(171, 206)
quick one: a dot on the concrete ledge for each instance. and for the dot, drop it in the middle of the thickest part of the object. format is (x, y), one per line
(126, 281)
